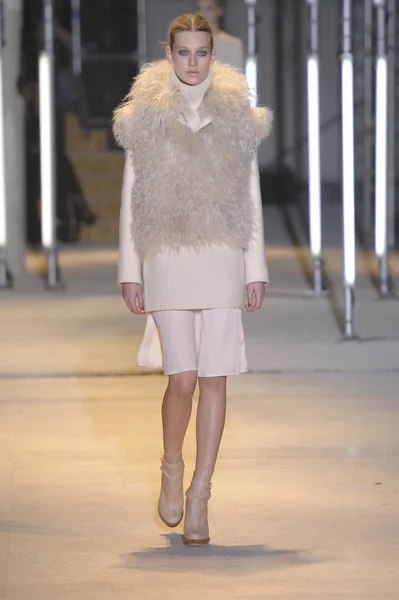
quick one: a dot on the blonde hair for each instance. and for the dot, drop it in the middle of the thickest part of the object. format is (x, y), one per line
(189, 22)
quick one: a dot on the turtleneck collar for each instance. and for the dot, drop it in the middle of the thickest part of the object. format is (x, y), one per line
(194, 94)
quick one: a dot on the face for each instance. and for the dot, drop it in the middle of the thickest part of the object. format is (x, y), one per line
(211, 11)
(191, 56)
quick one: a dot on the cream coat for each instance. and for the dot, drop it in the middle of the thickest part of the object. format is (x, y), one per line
(204, 257)
(209, 277)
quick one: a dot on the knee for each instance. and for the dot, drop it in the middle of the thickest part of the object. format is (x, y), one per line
(215, 385)
(183, 385)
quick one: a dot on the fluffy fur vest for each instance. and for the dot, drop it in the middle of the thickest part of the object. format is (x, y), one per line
(191, 188)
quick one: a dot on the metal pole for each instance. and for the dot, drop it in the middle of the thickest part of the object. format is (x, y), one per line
(348, 167)
(47, 146)
(314, 145)
(392, 6)
(76, 38)
(297, 49)
(368, 124)
(4, 283)
(251, 64)
(279, 82)
(142, 31)
(381, 147)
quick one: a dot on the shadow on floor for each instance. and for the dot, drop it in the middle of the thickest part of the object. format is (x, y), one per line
(242, 559)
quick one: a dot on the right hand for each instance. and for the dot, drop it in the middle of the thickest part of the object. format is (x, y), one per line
(132, 294)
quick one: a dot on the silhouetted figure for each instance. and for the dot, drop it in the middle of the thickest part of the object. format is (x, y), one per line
(229, 49)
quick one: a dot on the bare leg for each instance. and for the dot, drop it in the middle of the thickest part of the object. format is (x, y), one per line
(176, 412)
(211, 418)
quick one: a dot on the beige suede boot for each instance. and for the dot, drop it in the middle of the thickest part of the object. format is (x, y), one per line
(196, 528)
(170, 505)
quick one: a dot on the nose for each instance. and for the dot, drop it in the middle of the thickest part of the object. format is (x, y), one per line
(192, 61)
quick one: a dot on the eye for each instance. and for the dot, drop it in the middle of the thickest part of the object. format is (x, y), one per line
(202, 53)
(183, 52)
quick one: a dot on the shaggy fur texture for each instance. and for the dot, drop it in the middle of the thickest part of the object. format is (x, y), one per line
(191, 189)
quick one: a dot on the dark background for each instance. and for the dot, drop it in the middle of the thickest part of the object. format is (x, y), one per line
(109, 44)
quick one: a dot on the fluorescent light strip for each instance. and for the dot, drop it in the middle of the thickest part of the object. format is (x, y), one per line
(46, 151)
(381, 157)
(251, 75)
(3, 187)
(314, 156)
(348, 171)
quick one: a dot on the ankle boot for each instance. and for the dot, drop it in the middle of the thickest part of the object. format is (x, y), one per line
(170, 505)
(196, 528)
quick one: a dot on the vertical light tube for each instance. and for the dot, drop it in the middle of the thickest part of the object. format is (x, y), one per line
(314, 156)
(381, 158)
(251, 76)
(314, 146)
(47, 150)
(381, 148)
(47, 146)
(3, 186)
(251, 63)
(3, 201)
(348, 166)
(76, 38)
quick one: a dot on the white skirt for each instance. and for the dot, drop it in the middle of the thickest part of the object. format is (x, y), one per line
(209, 341)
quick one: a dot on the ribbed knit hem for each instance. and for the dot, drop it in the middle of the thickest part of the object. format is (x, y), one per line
(195, 279)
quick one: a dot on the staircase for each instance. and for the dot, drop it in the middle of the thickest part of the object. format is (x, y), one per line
(99, 171)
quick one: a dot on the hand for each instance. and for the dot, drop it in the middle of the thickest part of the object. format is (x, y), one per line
(256, 294)
(132, 293)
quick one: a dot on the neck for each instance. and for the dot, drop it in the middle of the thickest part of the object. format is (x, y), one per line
(193, 93)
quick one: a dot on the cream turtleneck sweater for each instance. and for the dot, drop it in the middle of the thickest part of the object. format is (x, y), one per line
(193, 96)
(209, 277)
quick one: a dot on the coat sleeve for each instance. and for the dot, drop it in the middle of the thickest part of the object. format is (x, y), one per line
(255, 257)
(129, 264)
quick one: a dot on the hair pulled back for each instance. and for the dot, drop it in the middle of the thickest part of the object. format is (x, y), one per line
(189, 22)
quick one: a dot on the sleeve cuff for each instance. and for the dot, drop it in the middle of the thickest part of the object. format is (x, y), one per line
(130, 273)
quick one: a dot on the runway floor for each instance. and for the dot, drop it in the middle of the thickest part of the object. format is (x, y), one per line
(305, 499)
(306, 494)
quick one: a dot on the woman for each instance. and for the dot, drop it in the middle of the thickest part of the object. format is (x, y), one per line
(229, 49)
(191, 233)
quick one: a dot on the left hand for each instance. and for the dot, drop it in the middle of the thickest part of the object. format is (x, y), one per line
(256, 294)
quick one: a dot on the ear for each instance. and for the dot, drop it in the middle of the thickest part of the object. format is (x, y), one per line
(213, 55)
(168, 53)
